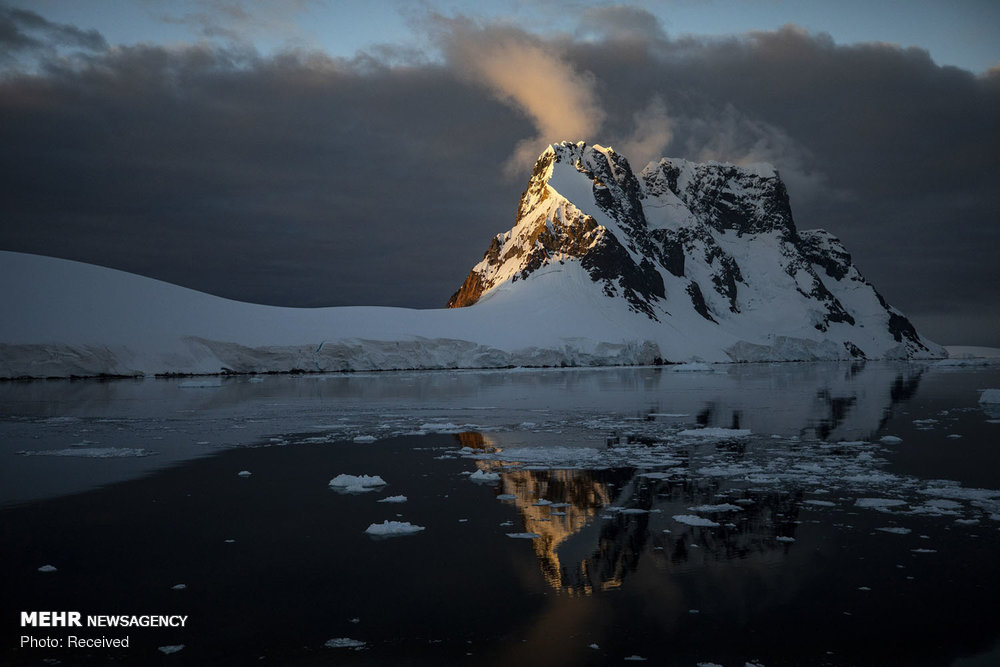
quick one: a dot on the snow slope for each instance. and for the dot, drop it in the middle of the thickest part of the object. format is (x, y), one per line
(598, 270)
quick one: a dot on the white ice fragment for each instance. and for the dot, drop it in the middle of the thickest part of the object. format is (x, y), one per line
(895, 530)
(693, 520)
(541, 502)
(924, 551)
(48, 568)
(482, 476)
(594, 646)
(506, 496)
(635, 658)
(172, 648)
(953, 436)
(890, 440)
(990, 396)
(392, 528)
(523, 536)
(783, 538)
(392, 499)
(724, 507)
(634, 510)
(244, 473)
(819, 503)
(178, 587)
(880, 504)
(967, 522)
(344, 642)
(365, 438)
(356, 482)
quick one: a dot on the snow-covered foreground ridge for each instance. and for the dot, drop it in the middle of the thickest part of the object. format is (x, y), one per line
(690, 262)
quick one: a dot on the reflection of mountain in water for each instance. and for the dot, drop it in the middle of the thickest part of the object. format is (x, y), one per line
(595, 525)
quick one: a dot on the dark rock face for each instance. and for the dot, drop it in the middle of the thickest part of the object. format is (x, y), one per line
(690, 225)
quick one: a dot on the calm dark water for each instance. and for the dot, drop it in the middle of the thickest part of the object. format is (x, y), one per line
(277, 564)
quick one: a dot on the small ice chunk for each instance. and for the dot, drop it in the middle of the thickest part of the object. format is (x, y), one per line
(819, 503)
(784, 538)
(990, 396)
(506, 496)
(172, 648)
(881, 504)
(692, 520)
(895, 530)
(483, 476)
(634, 510)
(924, 551)
(365, 438)
(48, 568)
(864, 588)
(345, 642)
(541, 502)
(356, 482)
(178, 587)
(635, 658)
(890, 440)
(523, 536)
(594, 646)
(392, 528)
(244, 473)
(392, 499)
(724, 507)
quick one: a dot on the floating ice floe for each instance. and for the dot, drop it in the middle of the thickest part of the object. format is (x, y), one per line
(506, 496)
(392, 499)
(244, 473)
(172, 648)
(178, 587)
(48, 568)
(723, 507)
(880, 504)
(890, 440)
(91, 452)
(393, 528)
(895, 530)
(483, 476)
(356, 483)
(523, 536)
(785, 538)
(345, 642)
(990, 396)
(819, 503)
(692, 520)
(365, 438)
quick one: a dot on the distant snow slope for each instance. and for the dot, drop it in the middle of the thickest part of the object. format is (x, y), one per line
(699, 263)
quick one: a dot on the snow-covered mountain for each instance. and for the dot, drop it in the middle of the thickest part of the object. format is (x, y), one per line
(708, 251)
(687, 262)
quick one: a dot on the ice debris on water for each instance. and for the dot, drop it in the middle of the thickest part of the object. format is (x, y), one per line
(692, 520)
(990, 396)
(784, 538)
(482, 476)
(723, 507)
(523, 536)
(244, 473)
(880, 504)
(357, 483)
(890, 440)
(392, 499)
(48, 568)
(345, 642)
(635, 658)
(178, 587)
(896, 530)
(393, 528)
(172, 648)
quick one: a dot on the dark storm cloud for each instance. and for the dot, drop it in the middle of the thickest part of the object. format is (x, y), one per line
(23, 31)
(305, 180)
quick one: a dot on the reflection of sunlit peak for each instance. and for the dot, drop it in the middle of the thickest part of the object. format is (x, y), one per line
(555, 504)
(474, 440)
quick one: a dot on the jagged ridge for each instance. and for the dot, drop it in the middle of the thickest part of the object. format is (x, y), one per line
(716, 240)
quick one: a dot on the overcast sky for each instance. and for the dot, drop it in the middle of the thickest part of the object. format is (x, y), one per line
(365, 153)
